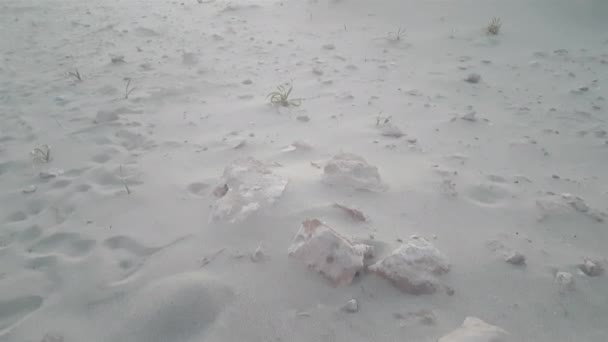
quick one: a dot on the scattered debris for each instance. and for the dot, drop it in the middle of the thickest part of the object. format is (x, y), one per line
(355, 214)
(208, 259)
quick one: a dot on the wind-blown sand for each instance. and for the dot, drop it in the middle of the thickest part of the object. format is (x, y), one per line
(492, 147)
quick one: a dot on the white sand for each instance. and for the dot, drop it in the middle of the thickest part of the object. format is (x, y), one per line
(83, 260)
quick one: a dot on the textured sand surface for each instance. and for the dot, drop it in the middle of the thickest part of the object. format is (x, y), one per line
(118, 119)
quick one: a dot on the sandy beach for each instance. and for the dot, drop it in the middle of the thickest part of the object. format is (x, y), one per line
(303, 170)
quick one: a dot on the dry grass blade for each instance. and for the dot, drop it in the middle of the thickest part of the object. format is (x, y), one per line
(128, 90)
(42, 153)
(76, 74)
(494, 26)
(124, 181)
(397, 35)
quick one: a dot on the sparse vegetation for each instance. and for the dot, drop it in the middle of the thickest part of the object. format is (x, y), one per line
(124, 181)
(76, 74)
(494, 26)
(281, 96)
(383, 120)
(42, 153)
(128, 89)
(397, 35)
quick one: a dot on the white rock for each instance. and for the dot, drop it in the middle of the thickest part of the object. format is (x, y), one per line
(51, 173)
(515, 258)
(248, 186)
(475, 330)
(473, 78)
(565, 281)
(591, 268)
(413, 267)
(29, 189)
(471, 116)
(390, 130)
(106, 116)
(258, 255)
(325, 251)
(351, 171)
(351, 306)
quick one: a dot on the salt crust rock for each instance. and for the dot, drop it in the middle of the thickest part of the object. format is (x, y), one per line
(351, 171)
(247, 186)
(475, 330)
(413, 267)
(325, 251)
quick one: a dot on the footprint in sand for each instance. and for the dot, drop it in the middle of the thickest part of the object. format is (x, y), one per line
(488, 194)
(69, 244)
(60, 184)
(131, 254)
(13, 311)
(177, 308)
(198, 188)
(31, 233)
(17, 216)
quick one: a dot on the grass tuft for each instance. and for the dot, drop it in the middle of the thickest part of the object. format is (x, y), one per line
(280, 97)
(42, 153)
(397, 35)
(494, 26)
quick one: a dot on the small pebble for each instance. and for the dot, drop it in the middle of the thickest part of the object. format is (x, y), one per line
(258, 254)
(591, 268)
(303, 118)
(351, 306)
(29, 189)
(473, 78)
(565, 280)
(516, 258)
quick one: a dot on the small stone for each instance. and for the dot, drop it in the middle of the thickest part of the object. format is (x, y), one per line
(471, 116)
(317, 71)
(351, 306)
(391, 131)
(329, 47)
(29, 189)
(473, 78)
(51, 173)
(52, 337)
(515, 258)
(565, 281)
(247, 82)
(258, 255)
(303, 118)
(475, 330)
(117, 59)
(591, 268)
